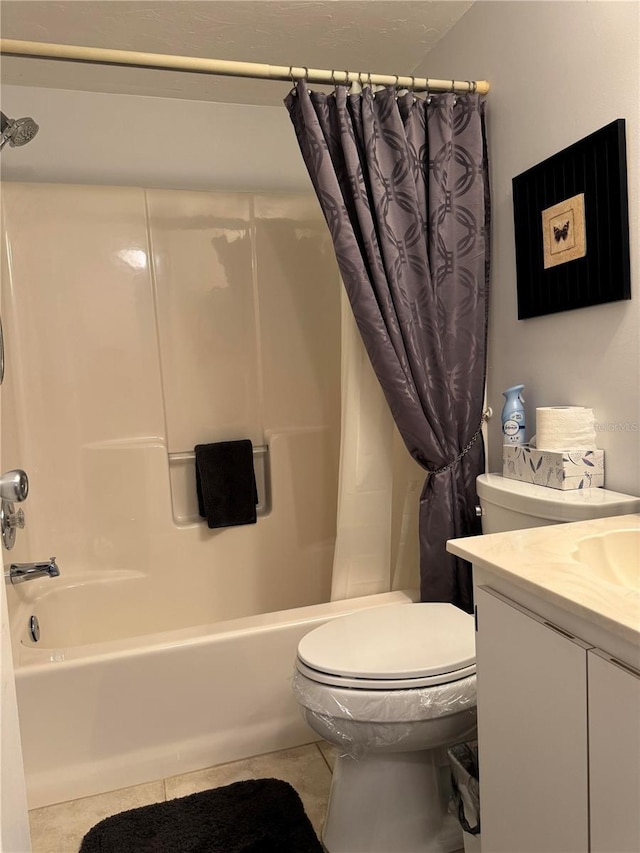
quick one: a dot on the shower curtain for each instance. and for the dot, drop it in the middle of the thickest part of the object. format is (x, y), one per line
(403, 183)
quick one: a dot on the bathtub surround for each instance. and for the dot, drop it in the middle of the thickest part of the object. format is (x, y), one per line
(412, 247)
(379, 483)
(179, 318)
(147, 322)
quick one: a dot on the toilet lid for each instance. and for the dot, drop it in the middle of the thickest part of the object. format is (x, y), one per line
(394, 646)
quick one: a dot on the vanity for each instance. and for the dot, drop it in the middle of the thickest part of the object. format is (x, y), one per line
(558, 668)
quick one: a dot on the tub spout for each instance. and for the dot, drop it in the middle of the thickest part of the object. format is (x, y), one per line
(20, 572)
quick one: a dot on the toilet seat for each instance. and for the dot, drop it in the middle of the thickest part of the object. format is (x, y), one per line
(391, 648)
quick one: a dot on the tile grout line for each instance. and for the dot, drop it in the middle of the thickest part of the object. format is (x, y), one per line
(317, 745)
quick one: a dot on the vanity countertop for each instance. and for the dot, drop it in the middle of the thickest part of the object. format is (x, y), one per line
(542, 561)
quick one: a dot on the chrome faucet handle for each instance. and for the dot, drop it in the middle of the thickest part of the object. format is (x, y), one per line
(14, 485)
(15, 519)
(10, 521)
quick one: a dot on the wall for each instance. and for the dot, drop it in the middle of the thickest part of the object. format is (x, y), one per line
(96, 138)
(14, 823)
(558, 71)
(140, 323)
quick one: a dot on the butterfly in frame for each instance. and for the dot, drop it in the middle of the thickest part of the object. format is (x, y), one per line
(561, 233)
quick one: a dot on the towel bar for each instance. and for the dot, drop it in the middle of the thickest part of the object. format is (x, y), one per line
(185, 456)
(183, 485)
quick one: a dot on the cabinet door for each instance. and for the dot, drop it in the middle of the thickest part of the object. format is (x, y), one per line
(614, 755)
(532, 732)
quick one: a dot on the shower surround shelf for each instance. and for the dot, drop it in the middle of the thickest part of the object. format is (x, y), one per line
(182, 473)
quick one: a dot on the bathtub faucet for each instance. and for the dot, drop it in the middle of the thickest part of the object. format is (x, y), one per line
(20, 572)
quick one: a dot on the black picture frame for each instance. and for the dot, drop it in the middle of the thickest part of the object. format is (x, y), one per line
(559, 268)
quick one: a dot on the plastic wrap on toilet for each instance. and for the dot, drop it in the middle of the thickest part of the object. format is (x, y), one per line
(359, 720)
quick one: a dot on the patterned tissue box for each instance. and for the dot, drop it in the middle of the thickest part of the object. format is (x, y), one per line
(576, 469)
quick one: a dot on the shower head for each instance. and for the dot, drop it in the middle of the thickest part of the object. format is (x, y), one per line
(17, 131)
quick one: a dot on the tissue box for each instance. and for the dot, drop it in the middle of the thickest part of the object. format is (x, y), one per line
(577, 469)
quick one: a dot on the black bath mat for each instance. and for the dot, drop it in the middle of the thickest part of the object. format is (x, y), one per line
(256, 816)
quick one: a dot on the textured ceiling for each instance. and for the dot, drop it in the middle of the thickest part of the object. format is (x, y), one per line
(384, 36)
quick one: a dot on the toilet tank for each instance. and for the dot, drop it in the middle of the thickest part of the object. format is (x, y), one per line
(513, 505)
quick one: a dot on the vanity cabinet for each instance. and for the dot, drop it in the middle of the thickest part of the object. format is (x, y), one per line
(558, 735)
(614, 755)
(532, 732)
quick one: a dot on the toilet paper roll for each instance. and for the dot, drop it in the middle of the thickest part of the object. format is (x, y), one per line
(565, 428)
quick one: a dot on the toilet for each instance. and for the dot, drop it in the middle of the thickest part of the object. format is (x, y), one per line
(393, 686)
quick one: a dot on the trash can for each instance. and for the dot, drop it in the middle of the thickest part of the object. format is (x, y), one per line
(465, 798)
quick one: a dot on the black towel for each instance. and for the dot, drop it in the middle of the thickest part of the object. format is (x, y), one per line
(226, 483)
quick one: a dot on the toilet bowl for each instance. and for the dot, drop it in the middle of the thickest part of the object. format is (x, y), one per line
(391, 688)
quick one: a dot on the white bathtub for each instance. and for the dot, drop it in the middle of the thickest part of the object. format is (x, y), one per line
(96, 716)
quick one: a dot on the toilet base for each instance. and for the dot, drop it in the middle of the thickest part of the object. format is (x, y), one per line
(391, 803)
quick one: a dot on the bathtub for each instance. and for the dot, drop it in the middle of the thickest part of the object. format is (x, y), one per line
(99, 714)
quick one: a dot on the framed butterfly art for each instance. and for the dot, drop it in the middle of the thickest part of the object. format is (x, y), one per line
(572, 226)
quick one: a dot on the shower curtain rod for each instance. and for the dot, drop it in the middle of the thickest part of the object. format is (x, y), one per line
(227, 68)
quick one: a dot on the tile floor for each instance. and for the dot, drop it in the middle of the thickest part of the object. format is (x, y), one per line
(60, 828)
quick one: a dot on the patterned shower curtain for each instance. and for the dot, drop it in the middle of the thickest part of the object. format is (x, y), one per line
(403, 183)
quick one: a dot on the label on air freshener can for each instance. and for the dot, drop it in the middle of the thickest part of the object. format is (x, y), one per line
(513, 429)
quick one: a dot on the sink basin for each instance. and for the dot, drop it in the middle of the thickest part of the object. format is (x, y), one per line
(614, 555)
